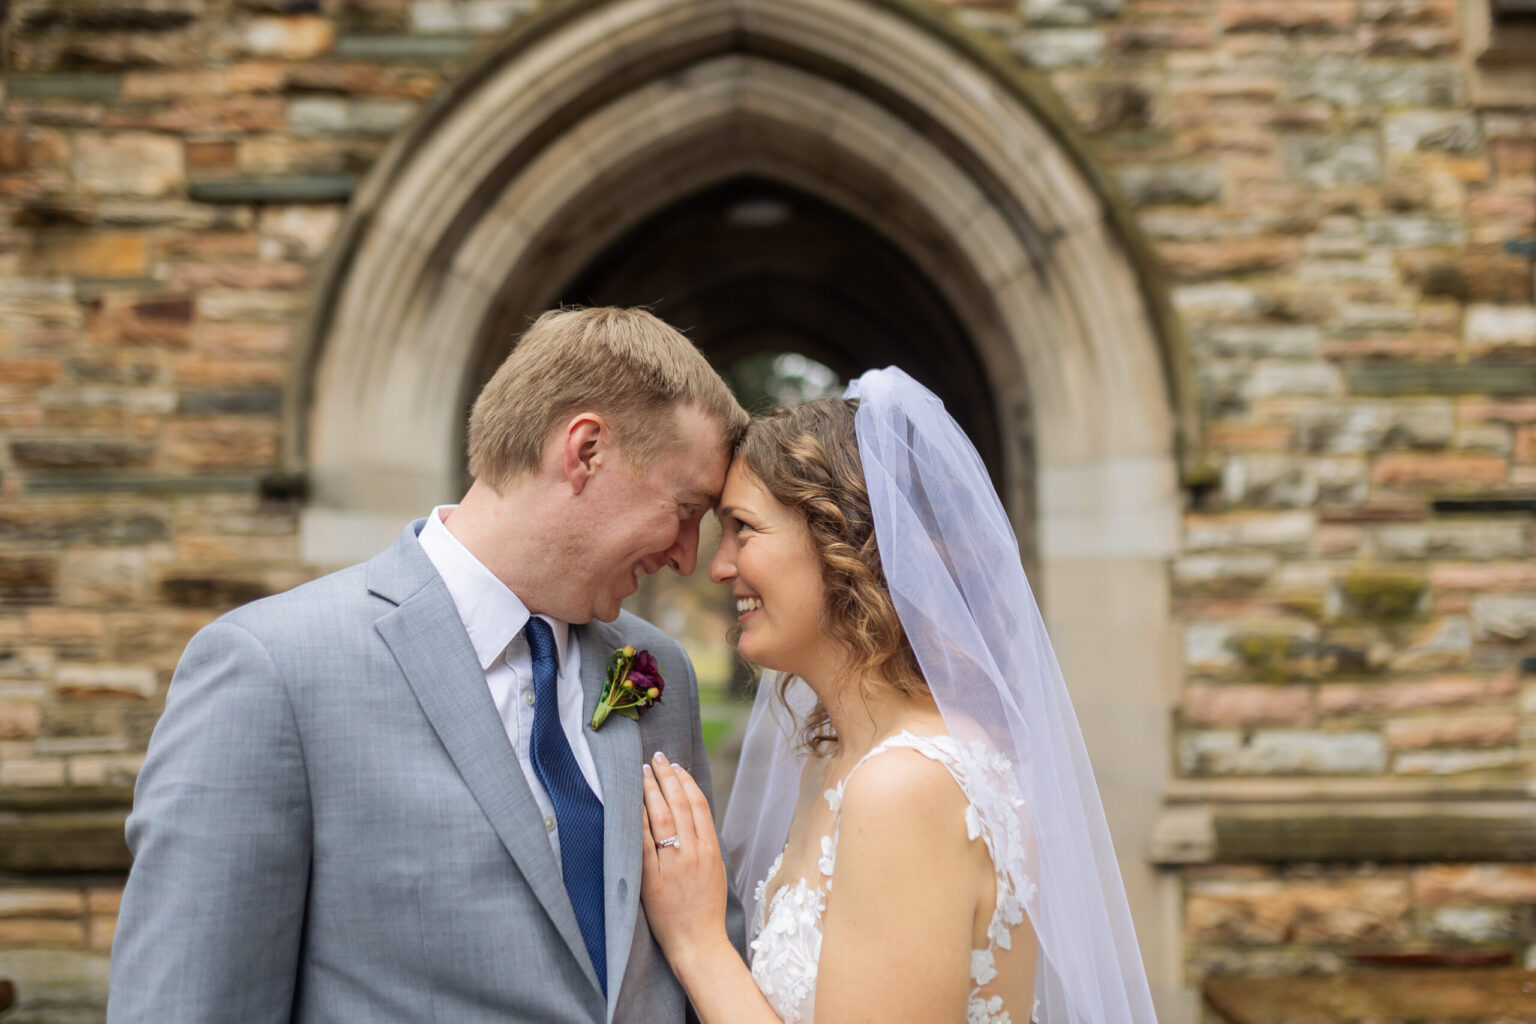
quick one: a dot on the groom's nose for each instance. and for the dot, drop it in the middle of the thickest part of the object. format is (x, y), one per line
(683, 555)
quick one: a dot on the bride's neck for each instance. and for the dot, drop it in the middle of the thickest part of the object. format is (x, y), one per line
(863, 715)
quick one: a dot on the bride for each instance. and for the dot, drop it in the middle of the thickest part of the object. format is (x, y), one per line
(914, 820)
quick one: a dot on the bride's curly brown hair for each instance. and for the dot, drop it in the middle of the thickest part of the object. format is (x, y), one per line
(807, 457)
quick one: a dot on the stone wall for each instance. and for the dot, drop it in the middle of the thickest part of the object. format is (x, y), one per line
(1338, 197)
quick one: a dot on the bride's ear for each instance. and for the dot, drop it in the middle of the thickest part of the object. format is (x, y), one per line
(586, 444)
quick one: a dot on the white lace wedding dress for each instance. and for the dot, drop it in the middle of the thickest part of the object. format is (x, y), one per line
(786, 942)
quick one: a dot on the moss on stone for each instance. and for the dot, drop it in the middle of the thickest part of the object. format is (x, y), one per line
(1383, 596)
(1264, 654)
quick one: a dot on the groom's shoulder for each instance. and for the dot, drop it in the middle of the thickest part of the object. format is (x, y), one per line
(341, 601)
(328, 599)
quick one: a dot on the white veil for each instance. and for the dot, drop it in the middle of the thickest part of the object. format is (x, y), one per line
(952, 564)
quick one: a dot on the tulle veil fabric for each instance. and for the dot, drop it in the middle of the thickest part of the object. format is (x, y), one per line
(952, 563)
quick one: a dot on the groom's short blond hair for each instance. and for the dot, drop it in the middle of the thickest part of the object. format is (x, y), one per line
(626, 365)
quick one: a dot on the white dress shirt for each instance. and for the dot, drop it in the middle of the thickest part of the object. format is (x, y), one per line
(494, 618)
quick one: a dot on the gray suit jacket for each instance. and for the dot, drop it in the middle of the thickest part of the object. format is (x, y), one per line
(330, 824)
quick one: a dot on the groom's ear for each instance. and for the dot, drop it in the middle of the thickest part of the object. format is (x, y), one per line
(586, 444)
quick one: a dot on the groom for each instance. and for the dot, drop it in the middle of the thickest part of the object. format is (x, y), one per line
(377, 797)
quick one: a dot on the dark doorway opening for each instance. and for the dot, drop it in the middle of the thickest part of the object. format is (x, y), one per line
(752, 269)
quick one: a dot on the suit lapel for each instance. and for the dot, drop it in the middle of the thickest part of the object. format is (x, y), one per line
(616, 753)
(427, 638)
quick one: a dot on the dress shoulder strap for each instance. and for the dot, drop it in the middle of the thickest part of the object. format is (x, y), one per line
(942, 749)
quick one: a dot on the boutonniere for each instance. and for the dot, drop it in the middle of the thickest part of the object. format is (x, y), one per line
(634, 683)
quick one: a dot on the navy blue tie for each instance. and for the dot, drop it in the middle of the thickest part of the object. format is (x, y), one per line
(578, 811)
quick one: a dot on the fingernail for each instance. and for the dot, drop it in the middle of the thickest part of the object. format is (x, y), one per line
(645, 770)
(660, 757)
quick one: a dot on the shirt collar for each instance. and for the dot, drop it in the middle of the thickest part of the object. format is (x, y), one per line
(493, 616)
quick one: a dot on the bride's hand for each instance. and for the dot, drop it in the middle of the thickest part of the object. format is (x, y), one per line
(683, 883)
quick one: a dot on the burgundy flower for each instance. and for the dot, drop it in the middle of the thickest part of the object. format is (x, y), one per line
(646, 674)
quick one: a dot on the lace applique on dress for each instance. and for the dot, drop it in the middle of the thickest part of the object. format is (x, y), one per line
(786, 943)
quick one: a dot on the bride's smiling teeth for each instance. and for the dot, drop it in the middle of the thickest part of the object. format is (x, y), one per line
(747, 604)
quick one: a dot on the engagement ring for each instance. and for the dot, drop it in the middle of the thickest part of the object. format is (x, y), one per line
(671, 840)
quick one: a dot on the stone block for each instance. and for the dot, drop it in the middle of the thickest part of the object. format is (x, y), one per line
(1289, 378)
(298, 188)
(133, 319)
(1444, 644)
(1487, 730)
(1414, 232)
(1467, 925)
(81, 454)
(79, 86)
(41, 902)
(1051, 49)
(1464, 884)
(1268, 481)
(1472, 541)
(332, 115)
(129, 163)
(103, 576)
(192, 114)
(1282, 752)
(288, 37)
(1363, 426)
(98, 680)
(1284, 532)
(403, 47)
(1480, 410)
(1275, 912)
(1181, 184)
(1331, 161)
(221, 591)
(1261, 341)
(1487, 378)
(104, 901)
(1200, 261)
(1410, 469)
(29, 772)
(99, 526)
(1460, 762)
(44, 933)
(228, 304)
(1223, 573)
(1244, 705)
(100, 929)
(1410, 41)
(223, 442)
(1495, 327)
(104, 770)
(27, 579)
(1349, 82)
(1295, 17)
(301, 232)
(96, 254)
(1413, 695)
(154, 638)
(1510, 617)
(19, 719)
(245, 274)
(48, 980)
(1433, 130)
(470, 17)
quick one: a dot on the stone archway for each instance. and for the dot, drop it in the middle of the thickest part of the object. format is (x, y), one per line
(598, 115)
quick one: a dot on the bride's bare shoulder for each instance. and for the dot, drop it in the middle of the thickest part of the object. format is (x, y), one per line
(902, 788)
